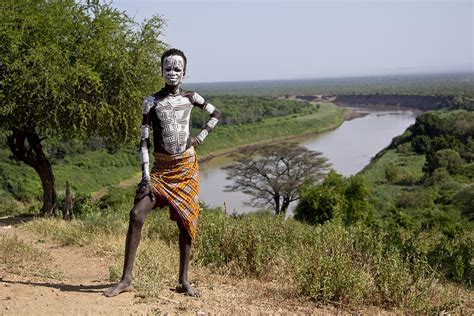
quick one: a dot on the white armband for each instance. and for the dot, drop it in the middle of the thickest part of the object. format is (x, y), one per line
(145, 161)
(209, 108)
(196, 98)
(201, 136)
(147, 104)
(212, 122)
(145, 132)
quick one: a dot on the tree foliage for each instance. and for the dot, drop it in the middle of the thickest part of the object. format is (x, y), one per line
(249, 109)
(273, 173)
(336, 198)
(75, 69)
(72, 70)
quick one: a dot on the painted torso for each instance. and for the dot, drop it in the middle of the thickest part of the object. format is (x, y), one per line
(169, 117)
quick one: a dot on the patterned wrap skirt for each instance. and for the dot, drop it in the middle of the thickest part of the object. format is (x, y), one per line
(176, 179)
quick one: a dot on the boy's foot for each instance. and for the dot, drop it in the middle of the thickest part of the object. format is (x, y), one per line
(121, 287)
(187, 289)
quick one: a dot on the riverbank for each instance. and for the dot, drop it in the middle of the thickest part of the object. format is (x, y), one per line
(227, 139)
(93, 171)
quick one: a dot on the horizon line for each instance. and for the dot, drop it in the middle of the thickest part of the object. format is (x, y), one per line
(459, 72)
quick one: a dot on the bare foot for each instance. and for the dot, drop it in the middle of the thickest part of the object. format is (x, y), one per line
(187, 289)
(123, 286)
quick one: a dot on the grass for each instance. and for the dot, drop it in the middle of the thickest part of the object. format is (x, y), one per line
(353, 267)
(408, 169)
(18, 257)
(328, 116)
(92, 170)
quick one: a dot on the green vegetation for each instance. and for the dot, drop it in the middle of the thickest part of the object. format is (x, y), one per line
(72, 70)
(246, 109)
(337, 198)
(396, 236)
(91, 165)
(327, 116)
(456, 84)
(423, 184)
(355, 266)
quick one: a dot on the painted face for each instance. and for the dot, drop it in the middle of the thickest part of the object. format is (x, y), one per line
(173, 70)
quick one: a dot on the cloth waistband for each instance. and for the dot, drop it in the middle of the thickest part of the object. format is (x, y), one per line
(190, 152)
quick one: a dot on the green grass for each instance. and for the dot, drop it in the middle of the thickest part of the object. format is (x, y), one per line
(410, 174)
(90, 171)
(353, 267)
(328, 116)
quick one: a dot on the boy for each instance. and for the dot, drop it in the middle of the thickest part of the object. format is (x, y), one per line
(174, 178)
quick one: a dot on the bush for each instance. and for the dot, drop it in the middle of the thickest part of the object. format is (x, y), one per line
(464, 199)
(444, 158)
(336, 198)
(392, 173)
(324, 202)
(404, 148)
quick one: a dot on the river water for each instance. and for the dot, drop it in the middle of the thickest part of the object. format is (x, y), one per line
(349, 148)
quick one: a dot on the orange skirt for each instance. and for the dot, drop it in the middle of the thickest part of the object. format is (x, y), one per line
(176, 179)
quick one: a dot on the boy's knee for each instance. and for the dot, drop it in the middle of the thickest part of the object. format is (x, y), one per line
(137, 215)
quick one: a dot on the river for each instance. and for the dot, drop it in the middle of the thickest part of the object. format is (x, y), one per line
(349, 148)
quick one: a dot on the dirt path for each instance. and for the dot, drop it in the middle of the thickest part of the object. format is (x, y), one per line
(84, 277)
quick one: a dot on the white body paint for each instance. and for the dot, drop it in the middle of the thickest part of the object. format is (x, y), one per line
(173, 70)
(173, 113)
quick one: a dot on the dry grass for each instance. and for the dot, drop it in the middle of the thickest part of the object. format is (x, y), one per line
(18, 257)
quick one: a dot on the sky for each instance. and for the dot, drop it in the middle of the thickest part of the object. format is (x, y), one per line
(248, 40)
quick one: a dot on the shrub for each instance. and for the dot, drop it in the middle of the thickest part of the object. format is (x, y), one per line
(445, 158)
(392, 173)
(464, 199)
(324, 202)
(336, 198)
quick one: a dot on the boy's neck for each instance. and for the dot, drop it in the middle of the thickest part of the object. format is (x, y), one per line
(172, 89)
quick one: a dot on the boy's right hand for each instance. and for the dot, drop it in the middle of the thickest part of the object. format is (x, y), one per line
(144, 188)
(194, 142)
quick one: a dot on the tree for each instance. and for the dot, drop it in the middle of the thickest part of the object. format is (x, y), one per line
(336, 197)
(72, 70)
(445, 158)
(322, 202)
(273, 173)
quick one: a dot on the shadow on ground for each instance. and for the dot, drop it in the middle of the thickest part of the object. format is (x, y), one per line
(64, 287)
(15, 220)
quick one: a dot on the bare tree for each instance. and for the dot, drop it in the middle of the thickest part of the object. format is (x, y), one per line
(273, 173)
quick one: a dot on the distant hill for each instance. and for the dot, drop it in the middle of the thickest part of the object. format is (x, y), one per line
(441, 84)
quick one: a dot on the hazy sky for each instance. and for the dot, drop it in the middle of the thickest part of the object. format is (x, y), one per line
(261, 39)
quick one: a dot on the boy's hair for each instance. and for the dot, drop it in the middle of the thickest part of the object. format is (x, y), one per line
(171, 52)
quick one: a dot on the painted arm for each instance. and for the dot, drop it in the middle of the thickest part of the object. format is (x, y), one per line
(145, 140)
(214, 116)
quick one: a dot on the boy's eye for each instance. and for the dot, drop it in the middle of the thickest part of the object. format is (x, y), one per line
(177, 69)
(168, 69)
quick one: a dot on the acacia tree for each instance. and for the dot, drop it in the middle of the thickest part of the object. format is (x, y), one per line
(273, 173)
(72, 70)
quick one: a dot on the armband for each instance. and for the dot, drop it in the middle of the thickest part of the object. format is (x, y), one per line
(201, 136)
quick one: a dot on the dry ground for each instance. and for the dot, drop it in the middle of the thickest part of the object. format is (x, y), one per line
(75, 280)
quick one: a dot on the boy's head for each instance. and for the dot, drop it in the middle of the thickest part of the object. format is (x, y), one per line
(173, 66)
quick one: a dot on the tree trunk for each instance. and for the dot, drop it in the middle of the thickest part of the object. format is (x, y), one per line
(68, 203)
(276, 198)
(285, 205)
(33, 155)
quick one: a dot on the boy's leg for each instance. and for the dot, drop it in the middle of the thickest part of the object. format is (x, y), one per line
(137, 217)
(184, 255)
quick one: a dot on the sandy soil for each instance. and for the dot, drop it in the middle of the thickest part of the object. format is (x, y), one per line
(85, 277)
